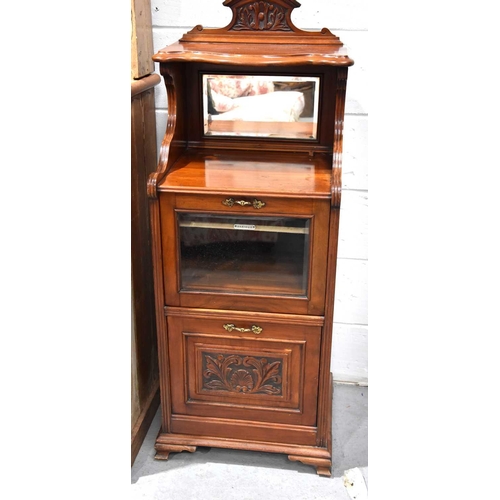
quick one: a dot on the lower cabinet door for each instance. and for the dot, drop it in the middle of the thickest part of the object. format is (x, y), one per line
(236, 378)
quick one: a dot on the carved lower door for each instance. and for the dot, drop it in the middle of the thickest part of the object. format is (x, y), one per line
(244, 378)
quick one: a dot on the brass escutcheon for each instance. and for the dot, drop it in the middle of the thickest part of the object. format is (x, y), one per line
(257, 204)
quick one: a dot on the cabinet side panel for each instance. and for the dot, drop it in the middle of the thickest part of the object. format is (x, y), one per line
(324, 408)
(161, 323)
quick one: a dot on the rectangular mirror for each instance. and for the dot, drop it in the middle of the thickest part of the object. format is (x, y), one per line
(261, 106)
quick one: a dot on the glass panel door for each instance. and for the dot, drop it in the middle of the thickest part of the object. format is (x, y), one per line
(251, 255)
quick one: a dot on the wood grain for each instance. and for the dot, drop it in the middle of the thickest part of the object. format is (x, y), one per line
(297, 346)
(166, 440)
(143, 84)
(256, 54)
(254, 296)
(141, 427)
(145, 354)
(251, 431)
(265, 382)
(286, 319)
(251, 174)
(143, 162)
(142, 39)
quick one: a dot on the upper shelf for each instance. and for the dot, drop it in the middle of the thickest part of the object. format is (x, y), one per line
(261, 33)
(254, 54)
(283, 175)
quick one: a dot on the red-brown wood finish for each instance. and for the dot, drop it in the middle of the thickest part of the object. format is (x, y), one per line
(316, 211)
(145, 352)
(245, 357)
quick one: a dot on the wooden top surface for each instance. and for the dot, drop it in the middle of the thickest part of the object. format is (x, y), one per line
(242, 172)
(255, 54)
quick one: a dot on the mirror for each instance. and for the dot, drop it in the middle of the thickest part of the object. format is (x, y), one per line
(261, 106)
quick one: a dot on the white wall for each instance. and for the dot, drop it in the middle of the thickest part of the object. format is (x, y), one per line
(348, 20)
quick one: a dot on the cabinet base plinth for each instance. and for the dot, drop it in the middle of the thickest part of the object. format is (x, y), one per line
(320, 458)
(324, 471)
(323, 466)
(316, 456)
(163, 450)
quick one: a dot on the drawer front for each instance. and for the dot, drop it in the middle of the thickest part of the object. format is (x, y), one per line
(240, 203)
(238, 369)
(270, 259)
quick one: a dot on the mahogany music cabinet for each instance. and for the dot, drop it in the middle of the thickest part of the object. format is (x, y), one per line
(245, 213)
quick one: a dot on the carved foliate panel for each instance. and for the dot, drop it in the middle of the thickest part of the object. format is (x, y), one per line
(242, 374)
(245, 375)
(259, 16)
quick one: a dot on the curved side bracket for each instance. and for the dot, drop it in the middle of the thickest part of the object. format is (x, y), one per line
(156, 177)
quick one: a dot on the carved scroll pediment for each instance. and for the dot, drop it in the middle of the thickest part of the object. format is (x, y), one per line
(260, 21)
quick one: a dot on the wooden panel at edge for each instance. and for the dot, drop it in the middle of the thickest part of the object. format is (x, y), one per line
(142, 39)
(143, 161)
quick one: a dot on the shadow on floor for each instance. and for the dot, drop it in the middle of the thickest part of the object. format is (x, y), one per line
(349, 442)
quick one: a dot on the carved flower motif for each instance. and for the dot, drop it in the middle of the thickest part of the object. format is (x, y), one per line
(261, 16)
(242, 381)
(261, 376)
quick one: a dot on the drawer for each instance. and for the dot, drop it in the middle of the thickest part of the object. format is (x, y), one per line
(238, 367)
(245, 203)
(269, 259)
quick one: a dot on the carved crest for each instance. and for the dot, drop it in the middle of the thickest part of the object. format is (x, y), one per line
(260, 21)
(259, 16)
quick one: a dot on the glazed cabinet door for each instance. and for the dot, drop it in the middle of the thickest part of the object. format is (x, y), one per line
(236, 375)
(230, 252)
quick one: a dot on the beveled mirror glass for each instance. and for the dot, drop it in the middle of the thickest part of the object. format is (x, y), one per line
(261, 106)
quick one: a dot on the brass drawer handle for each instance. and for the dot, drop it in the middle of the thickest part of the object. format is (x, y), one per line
(230, 327)
(229, 202)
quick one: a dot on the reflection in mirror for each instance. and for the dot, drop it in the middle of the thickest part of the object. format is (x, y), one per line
(261, 106)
